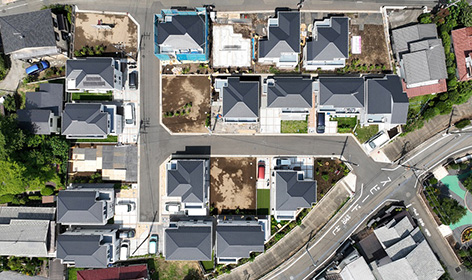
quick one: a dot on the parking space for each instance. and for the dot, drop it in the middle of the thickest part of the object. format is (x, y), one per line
(304, 164)
(264, 182)
(130, 95)
(270, 120)
(123, 217)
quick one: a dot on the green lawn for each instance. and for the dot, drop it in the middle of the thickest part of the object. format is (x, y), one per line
(92, 96)
(293, 126)
(209, 265)
(365, 133)
(72, 273)
(345, 125)
(263, 201)
(416, 103)
(110, 138)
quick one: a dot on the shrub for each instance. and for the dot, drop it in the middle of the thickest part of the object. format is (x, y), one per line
(47, 190)
(325, 177)
(462, 123)
(431, 113)
(6, 198)
(433, 181)
(425, 18)
(34, 197)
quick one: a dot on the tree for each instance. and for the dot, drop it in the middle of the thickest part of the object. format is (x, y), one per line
(467, 15)
(9, 103)
(11, 178)
(451, 210)
(47, 190)
(430, 113)
(466, 256)
(425, 18)
(468, 183)
(462, 123)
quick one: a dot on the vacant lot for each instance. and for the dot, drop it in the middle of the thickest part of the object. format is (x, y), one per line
(185, 103)
(293, 126)
(327, 173)
(122, 36)
(374, 46)
(233, 185)
(263, 202)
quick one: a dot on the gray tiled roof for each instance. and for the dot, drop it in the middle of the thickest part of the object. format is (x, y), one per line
(241, 99)
(27, 30)
(187, 181)
(84, 250)
(84, 119)
(12, 275)
(291, 194)
(189, 243)
(238, 241)
(290, 92)
(50, 96)
(26, 213)
(342, 92)
(393, 231)
(79, 207)
(91, 72)
(386, 96)
(427, 63)
(35, 120)
(401, 248)
(332, 41)
(184, 31)
(402, 37)
(282, 38)
(24, 238)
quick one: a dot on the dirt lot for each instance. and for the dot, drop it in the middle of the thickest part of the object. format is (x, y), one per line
(124, 32)
(233, 185)
(325, 174)
(185, 103)
(374, 47)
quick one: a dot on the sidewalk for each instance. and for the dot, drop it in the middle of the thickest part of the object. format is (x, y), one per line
(297, 238)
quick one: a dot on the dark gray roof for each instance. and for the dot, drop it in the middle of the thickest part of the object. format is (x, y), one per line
(342, 92)
(79, 207)
(332, 41)
(91, 72)
(27, 30)
(402, 37)
(35, 120)
(191, 25)
(238, 241)
(7, 213)
(290, 92)
(241, 99)
(50, 96)
(426, 63)
(386, 96)
(84, 119)
(84, 250)
(121, 157)
(188, 243)
(291, 194)
(25, 238)
(282, 38)
(187, 181)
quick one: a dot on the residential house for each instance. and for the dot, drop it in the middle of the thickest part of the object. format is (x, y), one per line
(240, 99)
(372, 100)
(292, 95)
(188, 183)
(462, 42)
(94, 74)
(130, 272)
(328, 48)
(27, 231)
(421, 58)
(42, 109)
(92, 206)
(292, 192)
(189, 241)
(88, 248)
(356, 269)
(116, 163)
(34, 35)
(90, 121)
(238, 239)
(181, 36)
(230, 49)
(281, 46)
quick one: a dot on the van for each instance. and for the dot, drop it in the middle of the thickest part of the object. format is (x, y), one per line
(37, 67)
(320, 123)
(124, 208)
(377, 141)
(124, 250)
(133, 80)
(282, 162)
(130, 118)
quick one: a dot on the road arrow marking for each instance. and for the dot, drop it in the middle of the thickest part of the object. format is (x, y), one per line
(385, 182)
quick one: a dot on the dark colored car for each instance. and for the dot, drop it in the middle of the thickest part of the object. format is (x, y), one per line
(320, 123)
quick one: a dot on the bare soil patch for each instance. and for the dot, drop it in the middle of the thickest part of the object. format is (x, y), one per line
(327, 173)
(188, 98)
(122, 36)
(374, 46)
(233, 185)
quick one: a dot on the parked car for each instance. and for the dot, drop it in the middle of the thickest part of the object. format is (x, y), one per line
(127, 233)
(124, 207)
(130, 115)
(37, 67)
(124, 250)
(261, 170)
(282, 162)
(153, 243)
(320, 123)
(172, 207)
(376, 141)
(133, 80)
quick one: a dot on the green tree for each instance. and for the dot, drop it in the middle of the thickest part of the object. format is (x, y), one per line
(47, 190)
(9, 103)
(451, 210)
(467, 15)
(468, 183)
(462, 123)
(11, 175)
(430, 113)
(425, 18)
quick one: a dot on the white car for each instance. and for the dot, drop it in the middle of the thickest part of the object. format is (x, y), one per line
(124, 250)
(130, 114)
(153, 241)
(124, 207)
(376, 141)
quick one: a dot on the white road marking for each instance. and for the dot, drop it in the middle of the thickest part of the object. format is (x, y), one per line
(346, 219)
(374, 188)
(427, 232)
(421, 222)
(365, 198)
(408, 205)
(385, 182)
(357, 206)
(336, 229)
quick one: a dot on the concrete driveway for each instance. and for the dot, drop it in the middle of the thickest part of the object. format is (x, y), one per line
(14, 76)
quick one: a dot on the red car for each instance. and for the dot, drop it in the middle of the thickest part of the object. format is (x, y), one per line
(261, 170)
